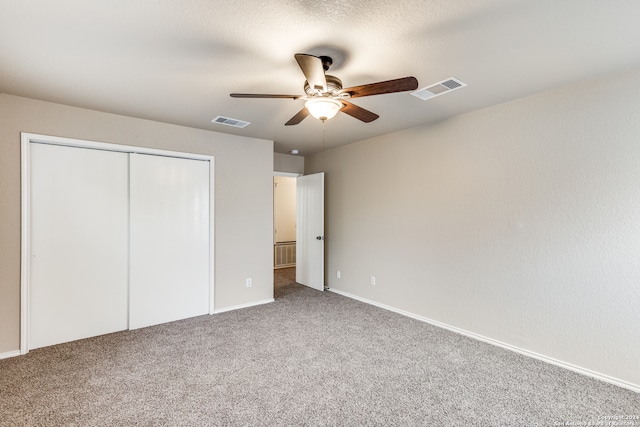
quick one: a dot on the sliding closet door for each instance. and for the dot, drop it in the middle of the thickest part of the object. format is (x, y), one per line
(169, 239)
(79, 243)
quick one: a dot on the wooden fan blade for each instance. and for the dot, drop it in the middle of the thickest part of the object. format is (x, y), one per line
(262, 95)
(389, 86)
(358, 112)
(298, 117)
(313, 71)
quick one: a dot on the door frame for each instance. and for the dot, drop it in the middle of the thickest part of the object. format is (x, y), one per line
(25, 217)
(297, 176)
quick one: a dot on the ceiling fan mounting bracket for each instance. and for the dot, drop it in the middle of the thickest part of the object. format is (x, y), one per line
(327, 62)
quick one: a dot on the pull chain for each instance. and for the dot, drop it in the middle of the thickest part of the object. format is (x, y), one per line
(324, 141)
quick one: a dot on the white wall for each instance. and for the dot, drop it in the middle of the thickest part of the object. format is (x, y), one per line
(288, 163)
(243, 200)
(519, 223)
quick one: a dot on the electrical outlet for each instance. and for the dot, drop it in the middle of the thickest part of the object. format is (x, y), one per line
(249, 282)
(373, 280)
(338, 274)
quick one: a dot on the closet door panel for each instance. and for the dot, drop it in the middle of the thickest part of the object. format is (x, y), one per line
(79, 244)
(169, 239)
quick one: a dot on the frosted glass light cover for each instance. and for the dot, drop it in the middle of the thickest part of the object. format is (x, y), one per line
(323, 108)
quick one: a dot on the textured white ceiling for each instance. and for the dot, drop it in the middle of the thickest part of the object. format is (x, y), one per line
(176, 61)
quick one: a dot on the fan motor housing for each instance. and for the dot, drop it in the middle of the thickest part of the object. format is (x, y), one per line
(334, 85)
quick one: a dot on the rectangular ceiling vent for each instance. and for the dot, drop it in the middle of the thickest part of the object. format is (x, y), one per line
(230, 122)
(439, 88)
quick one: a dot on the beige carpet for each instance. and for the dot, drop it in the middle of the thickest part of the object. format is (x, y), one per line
(308, 359)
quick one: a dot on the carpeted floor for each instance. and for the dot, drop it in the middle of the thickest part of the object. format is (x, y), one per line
(282, 278)
(308, 359)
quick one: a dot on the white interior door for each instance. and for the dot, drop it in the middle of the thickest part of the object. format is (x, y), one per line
(310, 231)
(79, 244)
(169, 239)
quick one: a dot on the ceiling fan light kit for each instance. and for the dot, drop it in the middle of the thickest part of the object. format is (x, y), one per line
(323, 108)
(325, 96)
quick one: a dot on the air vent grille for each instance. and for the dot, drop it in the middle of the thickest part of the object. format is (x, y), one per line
(439, 88)
(230, 122)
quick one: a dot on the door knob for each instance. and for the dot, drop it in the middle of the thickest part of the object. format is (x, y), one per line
(319, 237)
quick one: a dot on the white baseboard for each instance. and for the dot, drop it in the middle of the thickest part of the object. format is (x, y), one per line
(10, 354)
(238, 307)
(569, 366)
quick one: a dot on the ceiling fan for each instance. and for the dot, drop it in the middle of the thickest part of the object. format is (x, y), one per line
(325, 96)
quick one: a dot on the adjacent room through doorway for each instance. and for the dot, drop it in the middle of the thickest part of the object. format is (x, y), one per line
(284, 221)
(284, 232)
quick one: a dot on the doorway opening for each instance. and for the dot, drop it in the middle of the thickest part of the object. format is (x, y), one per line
(284, 231)
(284, 221)
(304, 228)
